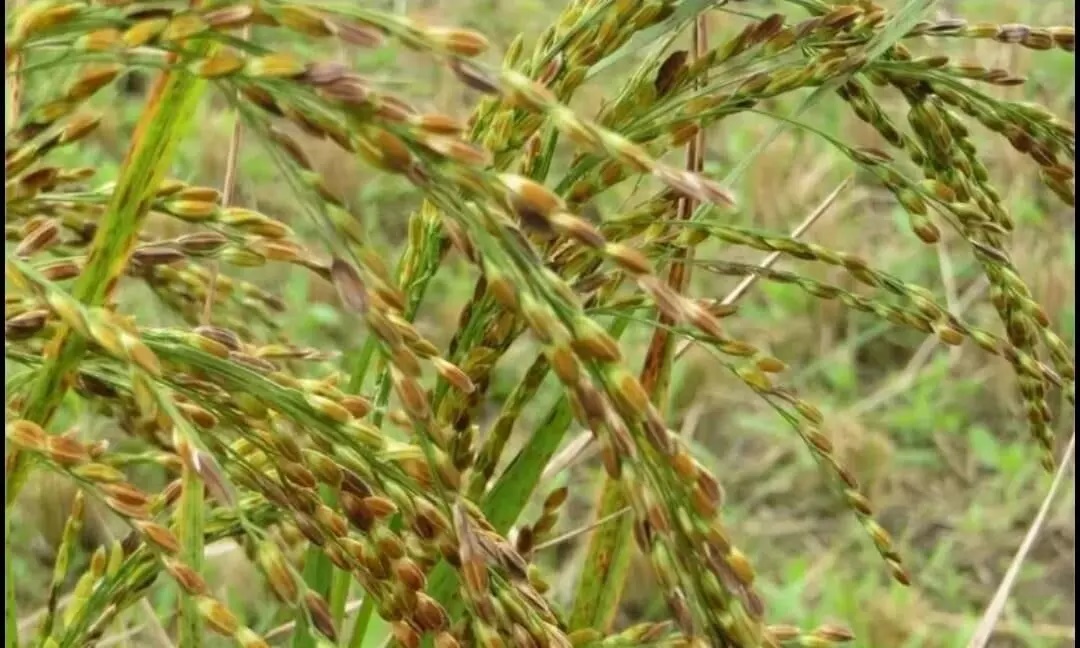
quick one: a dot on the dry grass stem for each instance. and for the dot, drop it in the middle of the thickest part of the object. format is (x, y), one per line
(989, 621)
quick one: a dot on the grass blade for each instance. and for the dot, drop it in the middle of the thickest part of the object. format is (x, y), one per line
(191, 525)
(607, 564)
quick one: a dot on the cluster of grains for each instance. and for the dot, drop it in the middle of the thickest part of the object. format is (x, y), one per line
(219, 406)
(957, 184)
(134, 506)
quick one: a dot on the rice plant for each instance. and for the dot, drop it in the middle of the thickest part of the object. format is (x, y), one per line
(370, 476)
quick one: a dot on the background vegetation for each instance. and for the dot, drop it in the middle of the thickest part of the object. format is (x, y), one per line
(936, 434)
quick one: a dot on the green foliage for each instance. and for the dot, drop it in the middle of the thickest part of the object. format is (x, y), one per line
(349, 451)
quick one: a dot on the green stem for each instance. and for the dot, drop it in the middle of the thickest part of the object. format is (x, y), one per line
(341, 581)
(319, 574)
(191, 525)
(160, 129)
(363, 622)
(607, 565)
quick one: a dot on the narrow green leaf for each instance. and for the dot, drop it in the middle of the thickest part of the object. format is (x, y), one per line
(606, 566)
(363, 622)
(191, 527)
